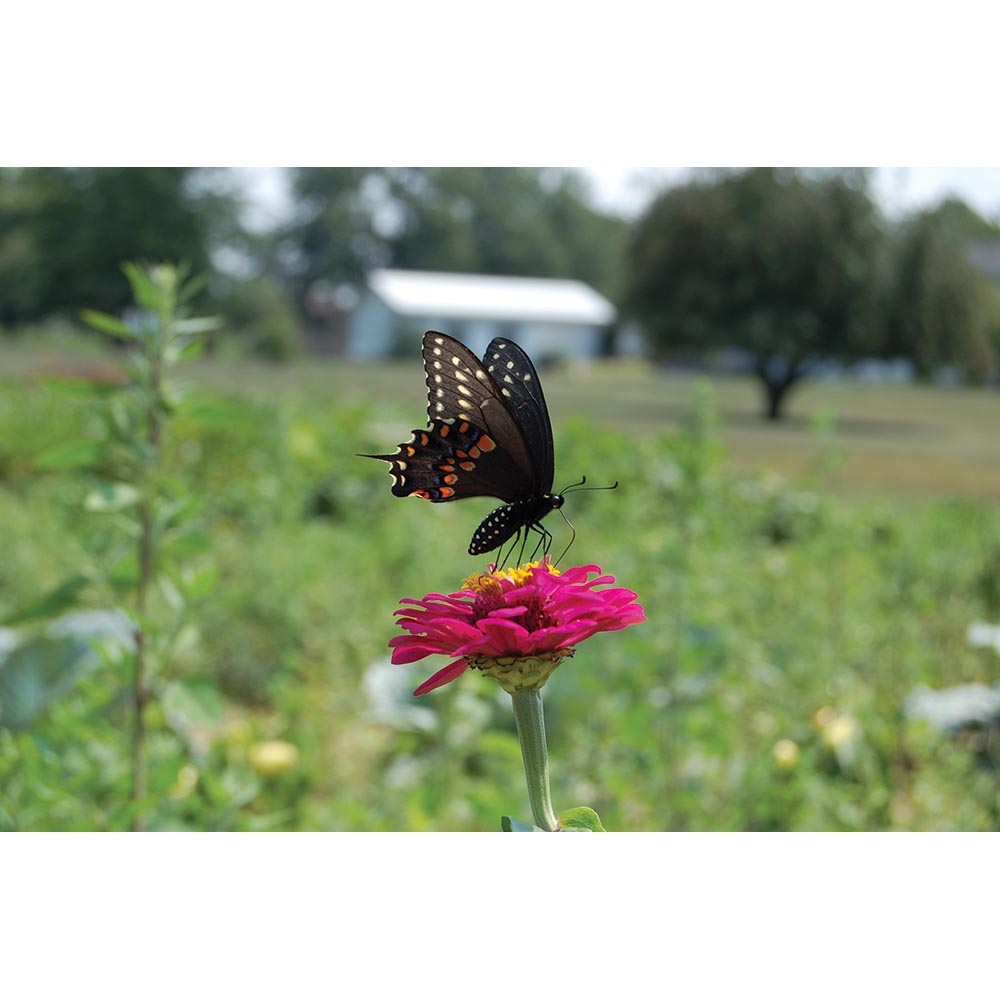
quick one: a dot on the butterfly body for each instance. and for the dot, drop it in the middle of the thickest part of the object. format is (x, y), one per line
(507, 520)
(489, 434)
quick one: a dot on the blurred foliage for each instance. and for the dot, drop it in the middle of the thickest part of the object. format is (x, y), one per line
(786, 631)
(261, 319)
(942, 309)
(486, 220)
(65, 232)
(794, 267)
(781, 263)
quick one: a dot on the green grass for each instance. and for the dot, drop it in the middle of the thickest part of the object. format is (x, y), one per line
(901, 441)
(801, 607)
(914, 441)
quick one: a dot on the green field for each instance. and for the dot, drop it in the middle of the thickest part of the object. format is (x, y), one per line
(800, 581)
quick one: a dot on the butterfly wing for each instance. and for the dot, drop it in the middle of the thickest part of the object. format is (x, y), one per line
(515, 376)
(473, 445)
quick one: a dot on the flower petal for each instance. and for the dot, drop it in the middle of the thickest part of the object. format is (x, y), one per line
(444, 676)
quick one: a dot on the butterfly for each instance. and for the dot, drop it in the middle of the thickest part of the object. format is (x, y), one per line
(489, 435)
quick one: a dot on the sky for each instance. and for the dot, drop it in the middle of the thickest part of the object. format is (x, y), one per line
(627, 189)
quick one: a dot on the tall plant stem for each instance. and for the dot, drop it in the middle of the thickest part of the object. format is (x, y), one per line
(140, 689)
(531, 733)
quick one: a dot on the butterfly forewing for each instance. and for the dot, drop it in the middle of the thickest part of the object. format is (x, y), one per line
(460, 388)
(473, 445)
(518, 382)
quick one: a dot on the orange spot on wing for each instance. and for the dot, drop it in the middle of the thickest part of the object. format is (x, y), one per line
(421, 493)
(463, 427)
(446, 491)
(424, 439)
(468, 466)
(444, 430)
(460, 454)
(474, 453)
(446, 467)
(410, 450)
(486, 443)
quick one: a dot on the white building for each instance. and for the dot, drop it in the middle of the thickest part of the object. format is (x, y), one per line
(549, 318)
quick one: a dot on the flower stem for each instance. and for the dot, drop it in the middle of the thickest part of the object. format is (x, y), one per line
(531, 732)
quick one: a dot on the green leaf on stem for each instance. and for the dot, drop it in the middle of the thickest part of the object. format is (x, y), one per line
(75, 455)
(112, 496)
(510, 825)
(197, 325)
(107, 324)
(36, 672)
(143, 287)
(192, 702)
(580, 819)
(53, 603)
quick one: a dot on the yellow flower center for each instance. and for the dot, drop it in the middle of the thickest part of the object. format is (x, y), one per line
(480, 582)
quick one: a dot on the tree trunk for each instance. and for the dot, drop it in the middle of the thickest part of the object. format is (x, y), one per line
(775, 391)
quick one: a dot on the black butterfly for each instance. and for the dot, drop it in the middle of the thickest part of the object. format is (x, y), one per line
(489, 435)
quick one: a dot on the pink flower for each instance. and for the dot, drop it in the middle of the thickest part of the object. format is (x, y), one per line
(517, 618)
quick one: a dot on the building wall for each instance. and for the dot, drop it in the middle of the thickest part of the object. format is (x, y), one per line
(557, 340)
(371, 329)
(374, 331)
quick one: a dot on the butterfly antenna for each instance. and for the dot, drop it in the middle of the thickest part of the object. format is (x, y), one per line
(580, 487)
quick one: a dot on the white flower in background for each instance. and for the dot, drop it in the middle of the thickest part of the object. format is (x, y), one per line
(983, 636)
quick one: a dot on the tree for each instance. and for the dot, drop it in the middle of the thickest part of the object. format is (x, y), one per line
(72, 228)
(784, 264)
(493, 220)
(942, 309)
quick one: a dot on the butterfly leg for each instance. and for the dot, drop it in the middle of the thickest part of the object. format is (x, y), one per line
(503, 560)
(524, 542)
(543, 537)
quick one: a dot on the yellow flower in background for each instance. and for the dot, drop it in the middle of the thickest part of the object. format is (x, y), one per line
(842, 730)
(786, 754)
(187, 778)
(272, 757)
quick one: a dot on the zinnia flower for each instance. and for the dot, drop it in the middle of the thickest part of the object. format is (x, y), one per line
(517, 625)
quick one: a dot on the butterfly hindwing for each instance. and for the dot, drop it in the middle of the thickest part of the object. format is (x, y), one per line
(446, 461)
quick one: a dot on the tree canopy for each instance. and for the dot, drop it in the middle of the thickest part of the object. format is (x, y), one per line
(64, 232)
(492, 220)
(783, 264)
(942, 309)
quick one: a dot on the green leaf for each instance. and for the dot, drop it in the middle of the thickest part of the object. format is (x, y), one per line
(185, 350)
(53, 603)
(171, 593)
(199, 325)
(36, 672)
(195, 702)
(510, 825)
(581, 819)
(198, 582)
(75, 455)
(107, 324)
(144, 289)
(112, 496)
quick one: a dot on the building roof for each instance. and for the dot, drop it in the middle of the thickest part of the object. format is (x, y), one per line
(486, 296)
